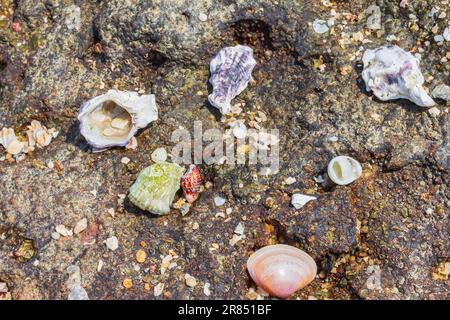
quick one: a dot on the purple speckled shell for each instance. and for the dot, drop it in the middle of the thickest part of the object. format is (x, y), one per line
(231, 71)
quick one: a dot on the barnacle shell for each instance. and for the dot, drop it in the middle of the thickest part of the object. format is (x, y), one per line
(112, 119)
(281, 270)
(343, 170)
(191, 183)
(231, 71)
(155, 187)
(392, 73)
(38, 135)
(10, 142)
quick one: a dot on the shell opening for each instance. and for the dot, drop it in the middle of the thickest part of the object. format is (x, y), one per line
(111, 121)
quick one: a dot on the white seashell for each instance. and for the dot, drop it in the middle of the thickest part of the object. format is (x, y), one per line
(343, 170)
(231, 71)
(38, 135)
(392, 73)
(239, 129)
(10, 142)
(219, 201)
(281, 270)
(299, 200)
(112, 119)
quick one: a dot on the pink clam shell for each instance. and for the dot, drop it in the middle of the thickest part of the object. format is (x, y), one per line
(281, 270)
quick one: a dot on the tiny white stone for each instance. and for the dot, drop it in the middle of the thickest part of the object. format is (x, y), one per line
(206, 289)
(56, 235)
(158, 289)
(125, 160)
(239, 129)
(439, 38)
(320, 26)
(80, 226)
(333, 139)
(159, 155)
(290, 180)
(239, 230)
(235, 239)
(50, 165)
(446, 34)
(319, 179)
(219, 201)
(228, 210)
(112, 243)
(190, 280)
(299, 200)
(202, 17)
(434, 111)
(100, 265)
(62, 230)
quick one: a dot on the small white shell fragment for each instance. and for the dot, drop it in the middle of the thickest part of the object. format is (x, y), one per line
(112, 243)
(15, 147)
(125, 160)
(320, 26)
(38, 135)
(206, 290)
(73, 284)
(10, 142)
(343, 170)
(119, 123)
(299, 200)
(55, 235)
(80, 226)
(290, 180)
(235, 239)
(190, 280)
(441, 91)
(392, 73)
(100, 265)
(219, 201)
(158, 289)
(159, 155)
(239, 129)
(239, 230)
(374, 17)
(62, 230)
(202, 17)
(446, 34)
(132, 145)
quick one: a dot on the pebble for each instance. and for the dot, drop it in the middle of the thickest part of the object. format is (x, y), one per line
(158, 289)
(56, 235)
(80, 226)
(111, 212)
(290, 180)
(127, 283)
(446, 34)
(299, 200)
(190, 280)
(320, 26)
(219, 201)
(159, 155)
(112, 243)
(206, 289)
(125, 160)
(100, 265)
(62, 230)
(229, 211)
(202, 17)
(239, 230)
(441, 91)
(439, 38)
(235, 239)
(141, 256)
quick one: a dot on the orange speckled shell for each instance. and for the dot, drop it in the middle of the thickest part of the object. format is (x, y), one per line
(191, 183)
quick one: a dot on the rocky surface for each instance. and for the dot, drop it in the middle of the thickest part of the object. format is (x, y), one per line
(392, 222)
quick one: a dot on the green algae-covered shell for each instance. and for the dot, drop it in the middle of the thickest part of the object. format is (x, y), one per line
(155, 187)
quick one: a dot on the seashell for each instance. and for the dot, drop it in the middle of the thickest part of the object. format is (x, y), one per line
(343, 170)
(112, 119)
(191, 183)
(299, 200)
(38, 135)
(392, 73)
(231, 71)
(10, 142)
(281, 270)
(155, 187)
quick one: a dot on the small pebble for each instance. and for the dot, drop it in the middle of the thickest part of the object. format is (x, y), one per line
(158, 289)
(141, 256)
(80, 226)
(159, 155)
(125, 160)
(206, 289)
(190, 280)
(320, 26)
(112, 243)
(202, 17)
(100, 265)
(239, 230)
(290, 180)
(219, 201)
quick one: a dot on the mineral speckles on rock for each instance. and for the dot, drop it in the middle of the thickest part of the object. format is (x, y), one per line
(392, 73)
(231, 71)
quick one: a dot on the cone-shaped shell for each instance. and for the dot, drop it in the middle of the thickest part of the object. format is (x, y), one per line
(281, 270)
(113, 118)
(343, 170)
(155, 187)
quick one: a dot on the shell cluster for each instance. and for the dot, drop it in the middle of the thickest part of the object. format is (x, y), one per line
(191, 183)
(155, 187)
(10, 142)
(343, 170)
(392, 73)
(112, 119)
(231, 71)
(281, 270)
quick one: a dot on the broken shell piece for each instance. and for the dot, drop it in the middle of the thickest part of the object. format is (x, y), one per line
(155, 187)
(10, 142)
(281, 270)
(299, 200)
(343, 170)
(112, 119)
(392, 73)
(231, 71)
(38, 135)
(191, 183)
